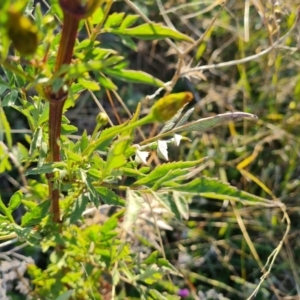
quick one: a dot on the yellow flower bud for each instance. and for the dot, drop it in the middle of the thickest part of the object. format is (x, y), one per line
(22, 32)
(166, 107)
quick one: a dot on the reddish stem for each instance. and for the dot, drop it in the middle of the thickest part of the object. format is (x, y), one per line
(57, 101)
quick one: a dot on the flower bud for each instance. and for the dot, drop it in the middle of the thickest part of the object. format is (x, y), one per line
(22, 32)
(80, 9)
(102, 119)
(166, 107)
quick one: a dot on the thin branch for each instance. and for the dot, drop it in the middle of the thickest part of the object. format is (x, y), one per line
(246, 59)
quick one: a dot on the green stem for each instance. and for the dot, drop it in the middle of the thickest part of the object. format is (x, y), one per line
(147, 119)
(8, 65)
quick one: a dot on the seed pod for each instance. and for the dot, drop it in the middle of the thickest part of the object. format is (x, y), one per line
(22, 32)
(80, 9)
(166, 107)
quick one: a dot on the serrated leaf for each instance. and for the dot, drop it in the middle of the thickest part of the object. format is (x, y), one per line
(207, 123)
(128, 21)
(170, 123)
(134, 76)
(36, 215)
(166, 200)
(15, 201)
(152, 32)
(185, 117)
(109, 197)
(127, 171)
(214, 188)
(164, 169)
(114, 20)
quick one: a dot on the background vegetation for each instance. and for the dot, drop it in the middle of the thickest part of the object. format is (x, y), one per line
(222, 247)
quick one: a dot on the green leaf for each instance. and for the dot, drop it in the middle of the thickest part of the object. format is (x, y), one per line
(109, 197)
(170, 123)
(47, 168)
(215, 189)
(6, 211)
(132, 172)
(36, 215)
(114, 20)
(84, 141)
(151, 32)
(78, 207)
(3, 88)
(166, 199)
(3, 219)
(170, 176)
(68, 129)
(90, 85)
(101, 146)
(115, 155)
(182, 204)
(10, 98)
(127, 41)
(207, 123)
(164, 169)
(151, 275)
(134, 76)
(73, 156)
(27, 234)
(128, 21)
(109, 224)
(66, 295)
(107, 83)
(97, 174)
(15, 201)
(36, 140)
(44, 117)
(4, 126)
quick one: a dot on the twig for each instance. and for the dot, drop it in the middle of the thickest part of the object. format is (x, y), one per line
(246, 59)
